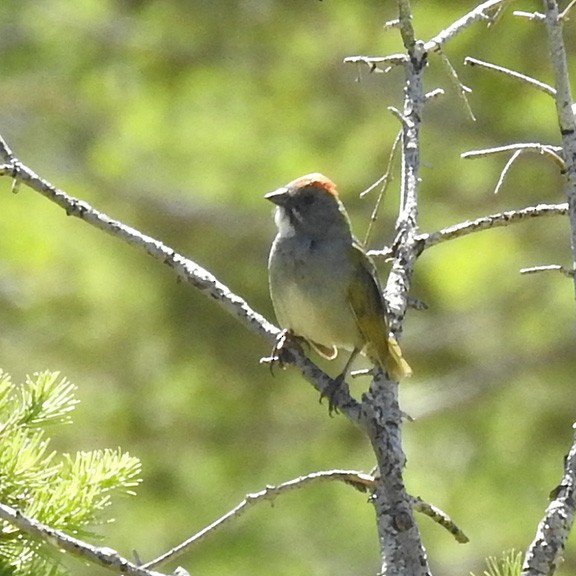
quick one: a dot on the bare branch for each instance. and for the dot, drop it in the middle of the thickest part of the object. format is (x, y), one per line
(497, 220)
(105, 557)
(183, 267)
(461, 89)
(564, 13)
(384, 180)
(545, 551)
(373, 61)
(402, 553)
(391, 24)
(401, 550)
(532, 82)
(543, 149)
(481, 12)
(441, 518)
(507, 167)
(434, 94)
(405, 25)
(529, 15)
(549, 268)
(355, 478)
(564, 110)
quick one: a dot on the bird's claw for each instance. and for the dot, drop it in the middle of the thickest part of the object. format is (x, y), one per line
(282, 353)
(331, 393)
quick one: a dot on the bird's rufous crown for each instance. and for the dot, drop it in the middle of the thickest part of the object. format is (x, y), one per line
(315, 179)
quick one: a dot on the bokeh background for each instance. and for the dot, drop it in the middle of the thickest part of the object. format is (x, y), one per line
(176, 116)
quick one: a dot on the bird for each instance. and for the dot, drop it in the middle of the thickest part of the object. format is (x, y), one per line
(324, 287)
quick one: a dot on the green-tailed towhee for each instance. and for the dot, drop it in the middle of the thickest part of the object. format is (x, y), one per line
(324, 287)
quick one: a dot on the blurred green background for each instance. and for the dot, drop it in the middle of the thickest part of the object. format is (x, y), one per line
(176, 116)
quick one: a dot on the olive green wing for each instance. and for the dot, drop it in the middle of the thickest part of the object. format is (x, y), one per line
(369, 309)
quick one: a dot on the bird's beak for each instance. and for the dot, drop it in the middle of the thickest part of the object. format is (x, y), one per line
(279, 197)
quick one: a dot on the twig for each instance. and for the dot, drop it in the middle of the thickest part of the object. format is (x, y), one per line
(269, 493)
(384, 181)
(532, 82)
(481, 12)
(545, 551)
(440, 517)
(529, 15)
(397, 114)
(388, 25)
(543, 149)
(548, 268)
(507, 167)
(497, 220)
(564, 13)
(359, 480)
(105, 557)
(433, 94)
(373, 61)
(461, 89)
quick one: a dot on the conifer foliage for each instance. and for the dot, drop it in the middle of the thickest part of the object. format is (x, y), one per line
(67, 492)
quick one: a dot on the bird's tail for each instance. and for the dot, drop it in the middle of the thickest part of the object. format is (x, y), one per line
(394, 363)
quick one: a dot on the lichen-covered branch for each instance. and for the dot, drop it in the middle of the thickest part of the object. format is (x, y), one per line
(105, 557)
(491, 221)
(545, 551)
(484, 11)
(401, 549)
(564, 110)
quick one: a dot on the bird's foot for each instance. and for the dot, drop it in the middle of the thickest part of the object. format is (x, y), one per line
(282, 351)
(331, 392)
(337, 383)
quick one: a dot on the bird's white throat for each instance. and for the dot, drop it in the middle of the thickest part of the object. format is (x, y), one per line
(283, 223)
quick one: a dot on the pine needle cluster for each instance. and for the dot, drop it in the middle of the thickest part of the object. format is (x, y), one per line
(66, 492)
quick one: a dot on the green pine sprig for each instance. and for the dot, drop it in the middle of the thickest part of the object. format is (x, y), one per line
(66, 492)
(510, 564)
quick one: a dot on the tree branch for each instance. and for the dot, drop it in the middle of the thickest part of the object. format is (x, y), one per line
(184, 268)
(461, 229)
(548, 268)
(105, 557)
(543, 149)
(497, 220)
(481, 12)
(359, 480)
(355, 478)
(532, 82)
(545, 551)
(401, 550)
(564, 110)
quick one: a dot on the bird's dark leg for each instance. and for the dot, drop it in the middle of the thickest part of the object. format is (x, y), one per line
(334, 386)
